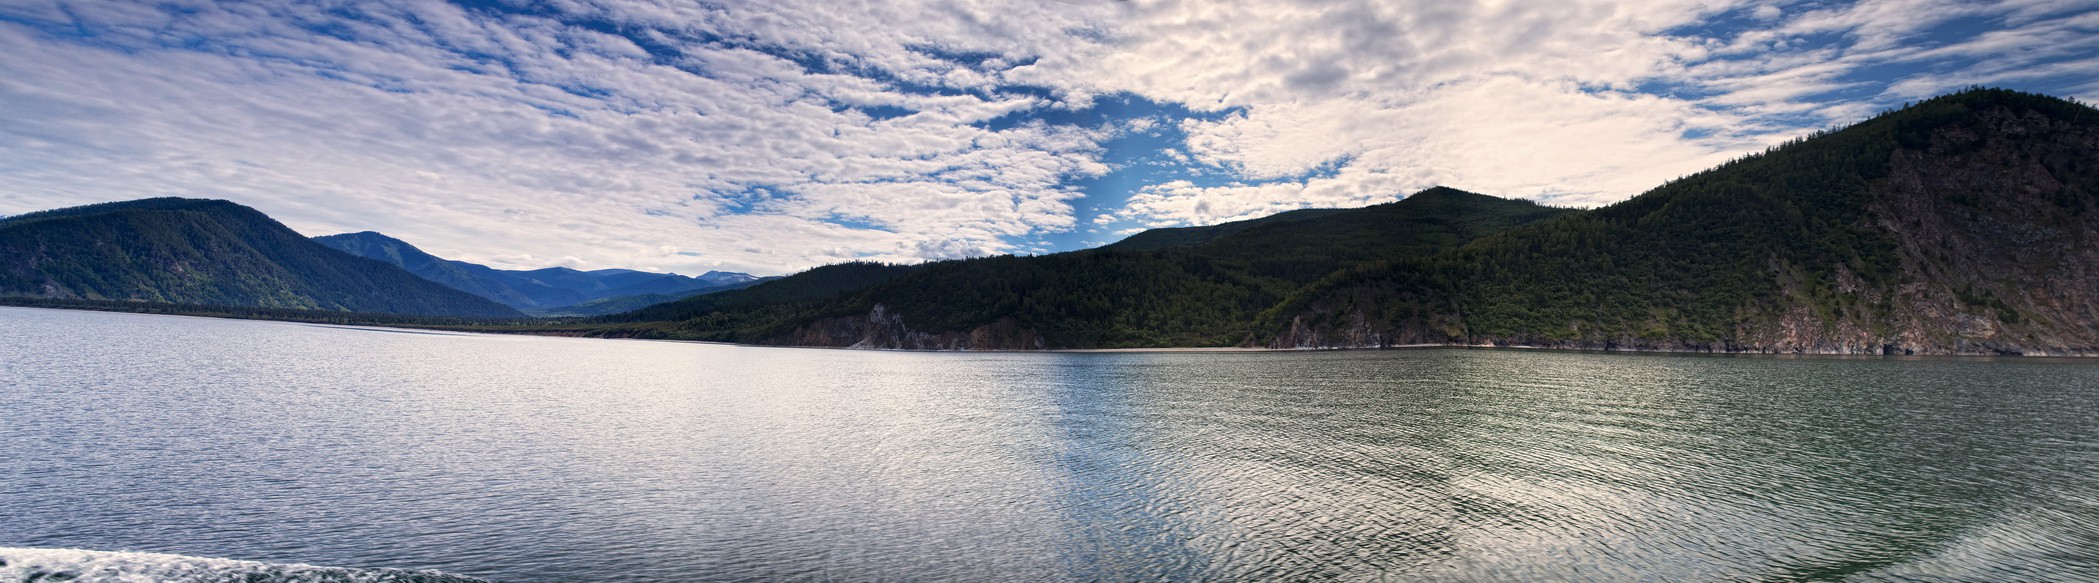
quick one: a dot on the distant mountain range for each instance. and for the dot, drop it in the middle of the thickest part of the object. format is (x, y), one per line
(554, 291)
(217, 253)
(207, 253)
(1964, 224)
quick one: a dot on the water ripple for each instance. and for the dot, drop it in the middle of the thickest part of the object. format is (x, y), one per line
(546, 459)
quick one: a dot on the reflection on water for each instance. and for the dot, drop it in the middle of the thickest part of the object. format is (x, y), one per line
(548, 459)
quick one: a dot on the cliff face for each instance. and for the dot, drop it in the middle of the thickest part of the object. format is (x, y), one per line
(1969, 226)
(884, 329)
(1376, 315)
(1997, 240)
(1996, 250)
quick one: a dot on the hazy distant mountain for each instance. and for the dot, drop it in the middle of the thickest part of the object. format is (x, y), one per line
(1963, 224)
(539, 291)
(206, 252)
(629, 303)
(487, 282)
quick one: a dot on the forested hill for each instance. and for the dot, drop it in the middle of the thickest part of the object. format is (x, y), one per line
(1183, 287)
(1964, 224)
(206, 252)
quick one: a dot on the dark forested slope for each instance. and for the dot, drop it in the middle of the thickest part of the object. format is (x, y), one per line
(1200, 287)
(1966, 224)
(206, 252)
(1963, 224)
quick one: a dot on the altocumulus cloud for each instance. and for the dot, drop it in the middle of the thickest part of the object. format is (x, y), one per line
(773, 136)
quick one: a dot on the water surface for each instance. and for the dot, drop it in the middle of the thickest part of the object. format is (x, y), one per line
(554, 459)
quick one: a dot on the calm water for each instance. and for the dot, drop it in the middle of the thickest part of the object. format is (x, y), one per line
(549, 459)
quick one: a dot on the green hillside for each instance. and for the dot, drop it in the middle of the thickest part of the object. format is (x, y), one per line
(206, 252)
(1964, 224)
(1960, 224)
(1187, 288)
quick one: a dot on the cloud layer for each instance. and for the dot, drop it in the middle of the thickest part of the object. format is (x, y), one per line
(769, 137)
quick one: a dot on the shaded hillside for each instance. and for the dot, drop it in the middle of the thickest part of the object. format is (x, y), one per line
(1313, 243)
(206, 252)
(540, 290)
(629, 303)
(767, 310)
(1200, 288)
(1963, 224)
(480, 280)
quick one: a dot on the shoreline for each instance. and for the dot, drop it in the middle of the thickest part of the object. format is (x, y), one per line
(439, 329)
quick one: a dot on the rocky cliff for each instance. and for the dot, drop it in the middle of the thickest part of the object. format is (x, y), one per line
(1968, 224)
(884, 329)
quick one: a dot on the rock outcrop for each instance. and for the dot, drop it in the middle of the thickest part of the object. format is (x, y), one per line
(885, 329)
(1976, 233)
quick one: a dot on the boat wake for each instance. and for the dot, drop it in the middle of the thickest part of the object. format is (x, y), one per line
(57, 565)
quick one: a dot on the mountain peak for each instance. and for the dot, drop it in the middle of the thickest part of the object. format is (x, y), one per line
(1441, 190)
(1980, 95)
(1446, 194)
(375, 245)
(375, 235)
(206, 252)
(1957, 225)
(727, 275)
(165, 203)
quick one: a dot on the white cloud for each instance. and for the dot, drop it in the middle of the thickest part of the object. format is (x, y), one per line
(492, 140)
(773, 136)
(1535, 100)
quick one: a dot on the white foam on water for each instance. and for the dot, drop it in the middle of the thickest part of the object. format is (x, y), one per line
(26, 565)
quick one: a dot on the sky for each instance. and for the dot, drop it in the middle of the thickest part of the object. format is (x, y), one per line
(771, 136)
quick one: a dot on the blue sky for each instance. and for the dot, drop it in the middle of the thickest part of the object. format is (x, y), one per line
(769, 137)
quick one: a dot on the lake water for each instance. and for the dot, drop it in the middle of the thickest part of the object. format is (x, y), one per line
(552, 459)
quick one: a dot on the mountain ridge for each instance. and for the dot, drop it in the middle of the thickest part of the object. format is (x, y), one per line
(1202, 290)
(1958, 225)
(206, 252)
(1805, 248)
(1962, 224)
(551, 290)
